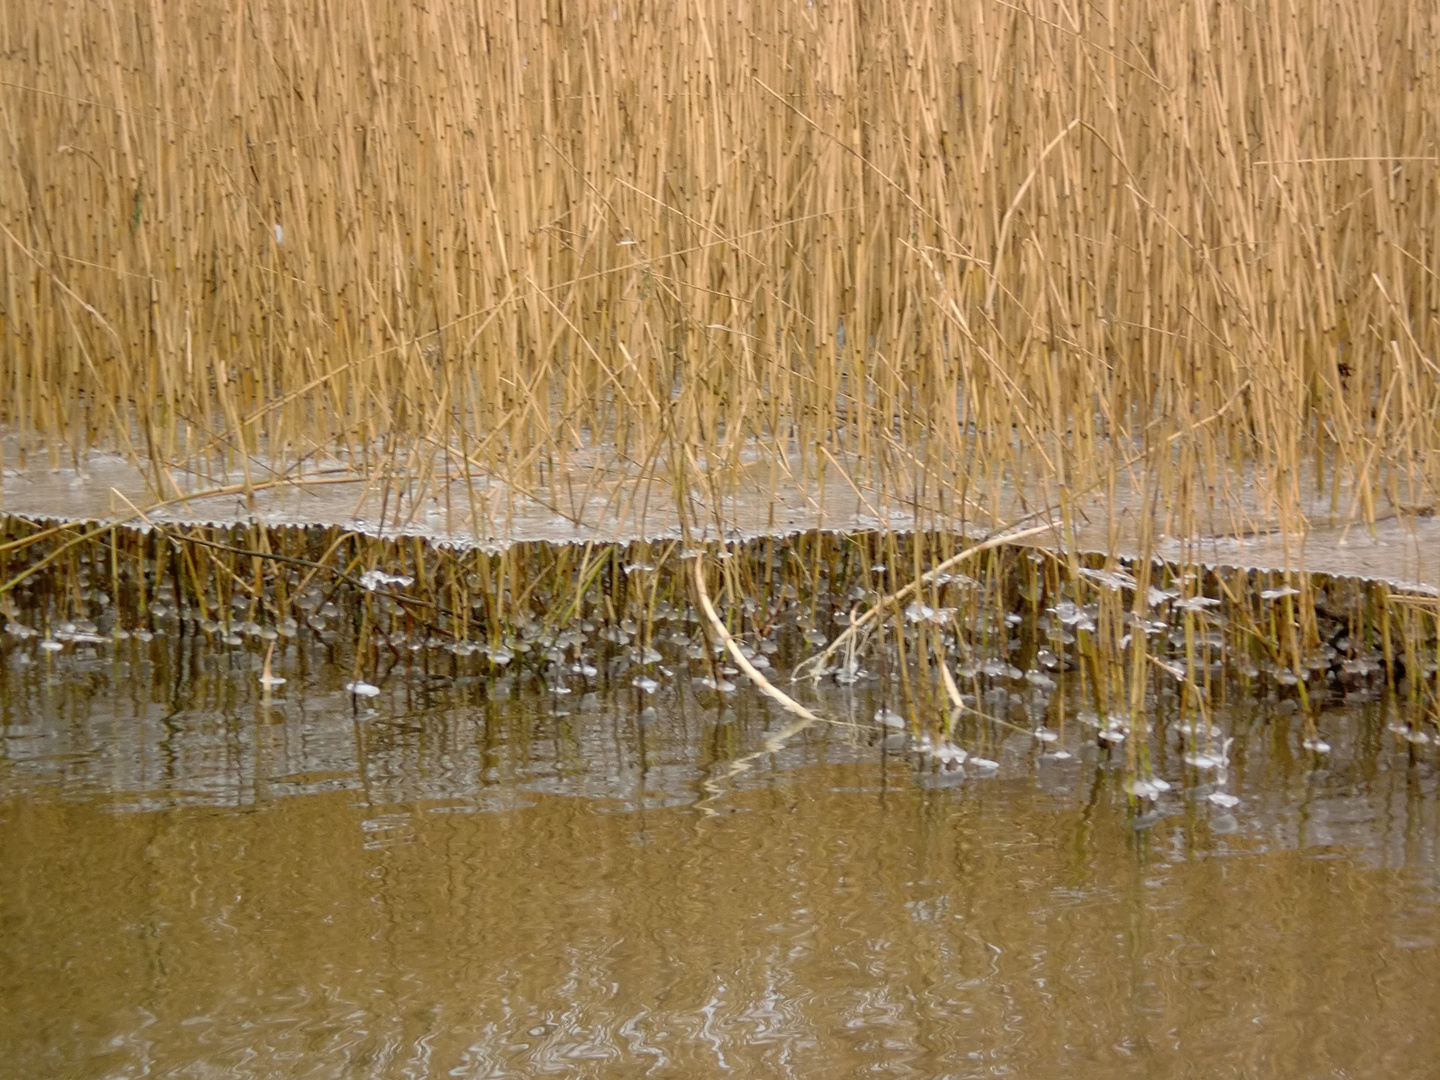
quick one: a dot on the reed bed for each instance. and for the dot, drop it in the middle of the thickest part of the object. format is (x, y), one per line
(1041, 244)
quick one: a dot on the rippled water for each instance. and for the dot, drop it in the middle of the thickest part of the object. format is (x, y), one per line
(470, 878)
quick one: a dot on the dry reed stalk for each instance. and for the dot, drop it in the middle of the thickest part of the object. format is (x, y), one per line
(764, 685)
(814, 666)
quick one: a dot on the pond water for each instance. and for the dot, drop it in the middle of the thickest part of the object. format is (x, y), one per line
(477, 878)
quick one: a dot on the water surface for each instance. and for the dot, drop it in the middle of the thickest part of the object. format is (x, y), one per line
(478, 879)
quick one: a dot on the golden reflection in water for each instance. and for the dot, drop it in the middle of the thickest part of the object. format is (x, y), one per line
(824, 926)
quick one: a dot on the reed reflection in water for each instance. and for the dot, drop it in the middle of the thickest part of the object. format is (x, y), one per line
(501, 890)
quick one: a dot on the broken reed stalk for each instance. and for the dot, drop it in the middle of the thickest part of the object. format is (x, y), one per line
(815, 665)
(764, 685)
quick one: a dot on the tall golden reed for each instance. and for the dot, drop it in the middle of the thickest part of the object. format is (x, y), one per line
(975, 237)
